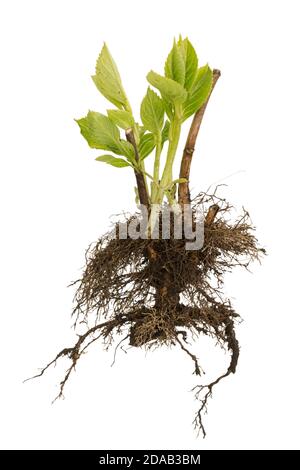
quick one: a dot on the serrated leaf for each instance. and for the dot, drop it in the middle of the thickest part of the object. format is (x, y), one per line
(152, 112)
(199, 92)
(190, 60)
(146, 145)
(127, 150)
(121, 118)
(114, 161)
(101, 133)
(169, 89)
(182, 63)
(175, 65)
(107, 79)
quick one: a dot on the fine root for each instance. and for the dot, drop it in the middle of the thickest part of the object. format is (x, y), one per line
(204, 392)
(155, 292)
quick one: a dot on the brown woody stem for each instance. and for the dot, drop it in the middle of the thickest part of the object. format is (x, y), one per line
(211, 214)
(140, 179)
(183, 188)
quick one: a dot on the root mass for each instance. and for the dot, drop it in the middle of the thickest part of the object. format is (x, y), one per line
(155, 292)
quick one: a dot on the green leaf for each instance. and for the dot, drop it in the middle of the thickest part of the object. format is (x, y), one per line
(114, 161)
(190, 60)
(168, 108)
(199, 92)
(182, 63)
(121, 118)
(101, 133)
(165, 132)
(141, 129)
(175, 64)
(146, 145)
(169, 89)
(107, 79)
(127, 150)
(152, 112)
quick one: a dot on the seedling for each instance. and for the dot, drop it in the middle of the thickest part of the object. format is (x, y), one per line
(153, 290)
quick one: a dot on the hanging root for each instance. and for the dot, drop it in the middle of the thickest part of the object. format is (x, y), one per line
(155, 292)
(198, 369)
(204, 392)
(75, 353)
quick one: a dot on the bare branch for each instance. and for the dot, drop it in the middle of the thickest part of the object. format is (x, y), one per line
(183, 188)
(140, 179)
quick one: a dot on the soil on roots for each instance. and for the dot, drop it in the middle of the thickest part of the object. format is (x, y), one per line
(155, 292)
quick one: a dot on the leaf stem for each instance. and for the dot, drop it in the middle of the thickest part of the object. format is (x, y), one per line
(174, 136)
(155, 184)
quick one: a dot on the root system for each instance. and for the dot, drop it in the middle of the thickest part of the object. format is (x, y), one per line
(155, 292)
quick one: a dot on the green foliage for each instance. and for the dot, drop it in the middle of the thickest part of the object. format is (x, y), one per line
(146, 145)
(175, 65)
(199, 91)
(169, 109)
(101, 133)
(190, 61)
(170, 90)
(108, 81)
(165, 132)
(193, 84)
(114, 161)
(148, 141)
(121, 118)
(183, 90)
(182, 63)
(152, 112)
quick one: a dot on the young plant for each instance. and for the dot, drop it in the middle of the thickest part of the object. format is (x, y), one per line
(183, 90)
(153, 291)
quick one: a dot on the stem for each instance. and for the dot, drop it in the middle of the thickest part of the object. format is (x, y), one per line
(142, 165)
(211, 214)
(140, 178)
(183, 188)
(135, 133)
(155, 182)
(173, 144)
(174, 136)
(132, 136)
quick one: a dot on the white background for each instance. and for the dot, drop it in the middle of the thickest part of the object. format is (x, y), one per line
(55, 200)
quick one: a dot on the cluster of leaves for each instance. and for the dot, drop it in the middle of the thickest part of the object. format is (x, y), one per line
(184, 85)
(183, 89)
